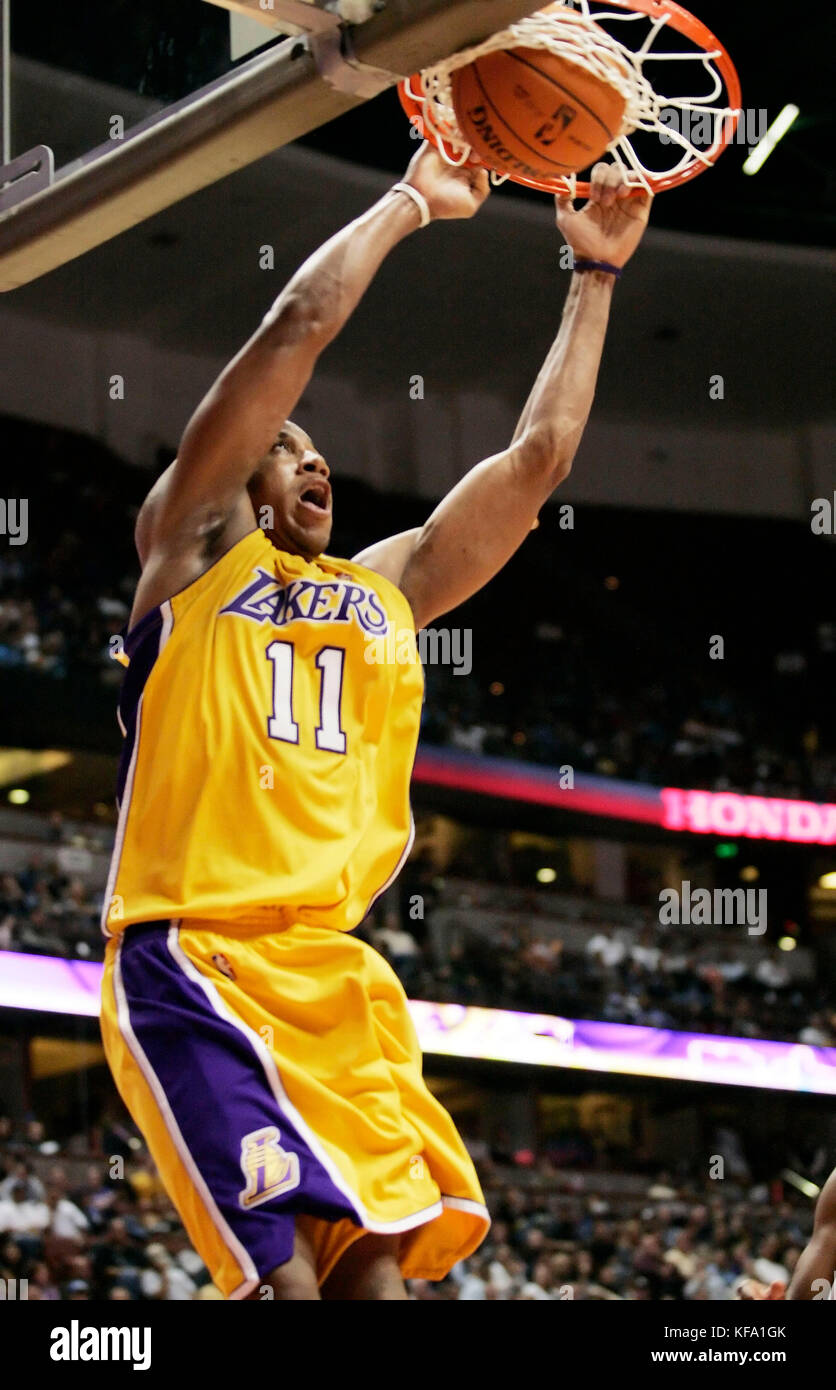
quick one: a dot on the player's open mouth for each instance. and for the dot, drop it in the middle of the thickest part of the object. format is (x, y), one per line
(317, 498)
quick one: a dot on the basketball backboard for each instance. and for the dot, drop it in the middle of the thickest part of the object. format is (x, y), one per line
(180, 93)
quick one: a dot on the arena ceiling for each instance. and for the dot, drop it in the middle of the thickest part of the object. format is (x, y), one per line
(167, 48)
(717, 288)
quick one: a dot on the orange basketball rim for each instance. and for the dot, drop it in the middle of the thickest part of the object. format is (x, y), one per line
(427, 97)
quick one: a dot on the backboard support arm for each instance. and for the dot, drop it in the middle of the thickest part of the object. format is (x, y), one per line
(270, 100)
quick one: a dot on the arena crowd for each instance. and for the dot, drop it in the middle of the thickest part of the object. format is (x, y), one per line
(87, 1220)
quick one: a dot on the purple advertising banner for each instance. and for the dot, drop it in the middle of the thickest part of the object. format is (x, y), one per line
(49, 984)
(459, 1030)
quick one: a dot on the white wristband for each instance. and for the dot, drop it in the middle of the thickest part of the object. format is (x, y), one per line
(418, 199)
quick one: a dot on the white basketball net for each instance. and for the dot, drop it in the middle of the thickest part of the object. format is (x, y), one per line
(598, 53)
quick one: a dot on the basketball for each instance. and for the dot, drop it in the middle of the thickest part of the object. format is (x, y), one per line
(531, 113)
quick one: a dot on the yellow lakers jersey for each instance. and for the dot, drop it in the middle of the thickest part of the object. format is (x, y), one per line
(271, 714)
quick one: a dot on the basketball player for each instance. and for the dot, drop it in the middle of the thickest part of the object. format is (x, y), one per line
(266, 1054)
(814, 1277)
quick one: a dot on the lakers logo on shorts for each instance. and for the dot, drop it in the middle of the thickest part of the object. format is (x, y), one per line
(268, 1168)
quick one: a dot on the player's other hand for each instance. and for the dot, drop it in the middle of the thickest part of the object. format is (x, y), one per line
(450, 192)
(611, 224)
(753, 1291)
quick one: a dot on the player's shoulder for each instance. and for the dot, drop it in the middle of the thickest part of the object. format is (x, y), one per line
(388, 558)
(340, 567)
(360, 568)
(366, 570)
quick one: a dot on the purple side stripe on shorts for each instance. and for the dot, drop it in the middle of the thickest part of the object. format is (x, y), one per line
(215, 1084)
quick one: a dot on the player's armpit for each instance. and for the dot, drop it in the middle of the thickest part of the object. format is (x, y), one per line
(170, 563)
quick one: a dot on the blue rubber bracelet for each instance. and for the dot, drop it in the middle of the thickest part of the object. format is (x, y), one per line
(584, 266)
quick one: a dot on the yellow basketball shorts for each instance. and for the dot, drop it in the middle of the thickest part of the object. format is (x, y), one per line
(277, 1073)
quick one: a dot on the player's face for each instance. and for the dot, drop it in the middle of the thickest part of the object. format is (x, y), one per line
(292, 482)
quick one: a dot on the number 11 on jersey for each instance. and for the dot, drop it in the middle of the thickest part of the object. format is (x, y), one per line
(330, 661)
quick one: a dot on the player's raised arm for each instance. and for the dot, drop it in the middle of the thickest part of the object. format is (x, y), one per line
(238, 421)
(488, 515)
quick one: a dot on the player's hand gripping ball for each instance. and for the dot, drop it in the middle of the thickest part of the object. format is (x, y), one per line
(611, 224)
(450, 192)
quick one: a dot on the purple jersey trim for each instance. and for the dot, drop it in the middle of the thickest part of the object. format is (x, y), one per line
(142, 647)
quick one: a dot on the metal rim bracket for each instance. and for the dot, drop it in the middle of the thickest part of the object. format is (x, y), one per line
(339, 66)
(26, 174)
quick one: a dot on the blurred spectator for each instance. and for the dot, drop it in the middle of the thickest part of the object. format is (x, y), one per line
(21, 1215)
(165, 1279)
(68, 1221)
